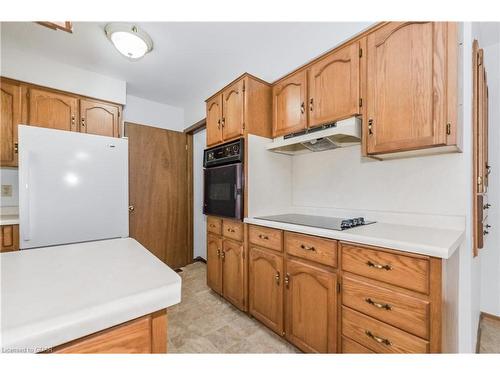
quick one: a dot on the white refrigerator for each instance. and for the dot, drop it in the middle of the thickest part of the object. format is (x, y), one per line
(73, 187)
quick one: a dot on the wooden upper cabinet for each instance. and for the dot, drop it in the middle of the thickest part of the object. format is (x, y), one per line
(265, 290)
(214, 263)
(99, 118)
(289, 104)
(10, 118)
(311, 307)
(233, 273)
(232, 103)
(214, 120)
(406, 86)
(49, 109)
(334, 86)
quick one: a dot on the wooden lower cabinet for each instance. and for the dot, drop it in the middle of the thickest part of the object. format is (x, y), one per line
(233, 273)
(214, 263)
(311, 307)
(9, 238)
(265, 288)
(147, 334)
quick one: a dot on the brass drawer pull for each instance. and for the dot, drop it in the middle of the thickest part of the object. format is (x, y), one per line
(308, 248)
(377, 304)
(277, 277)
(302, 107)
(380, 340)
(218, 253)
(386, 267)
(212, 225)
(231, 230)
(287, 280)
(263, 237)
(223, 255)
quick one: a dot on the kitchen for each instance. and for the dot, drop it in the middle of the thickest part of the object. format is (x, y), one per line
(339, 200)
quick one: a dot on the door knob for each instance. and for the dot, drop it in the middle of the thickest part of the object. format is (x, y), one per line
(131, 208)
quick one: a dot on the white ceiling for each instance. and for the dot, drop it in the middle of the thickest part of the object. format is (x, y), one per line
(190, 60)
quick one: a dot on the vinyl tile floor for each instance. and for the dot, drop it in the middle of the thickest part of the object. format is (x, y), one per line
(205, 323)
(489, 341)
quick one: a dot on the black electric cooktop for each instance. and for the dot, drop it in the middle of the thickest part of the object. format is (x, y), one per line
(325, 222)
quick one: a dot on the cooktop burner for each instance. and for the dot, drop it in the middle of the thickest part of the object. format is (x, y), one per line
(334, 223)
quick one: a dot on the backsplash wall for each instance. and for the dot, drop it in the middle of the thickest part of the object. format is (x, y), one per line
(341, 179)
(9, 176)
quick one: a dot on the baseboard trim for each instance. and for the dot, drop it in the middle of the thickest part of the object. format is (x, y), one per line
(199, 259)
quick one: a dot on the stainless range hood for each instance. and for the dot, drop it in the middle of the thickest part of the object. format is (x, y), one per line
(343, 133)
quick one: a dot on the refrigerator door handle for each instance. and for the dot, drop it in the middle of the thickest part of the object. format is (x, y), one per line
(25, 219)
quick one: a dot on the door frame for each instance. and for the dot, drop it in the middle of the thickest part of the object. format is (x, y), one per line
(190, 132)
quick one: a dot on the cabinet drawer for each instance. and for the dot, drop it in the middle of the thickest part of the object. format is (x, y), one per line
(401, 270)
(232, 229)
(214, 225)
(378, 336)
(402, 311)
(352, 347)
(266, 237)
(312, 248)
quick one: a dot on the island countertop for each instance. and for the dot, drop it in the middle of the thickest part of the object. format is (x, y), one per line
(54, 295)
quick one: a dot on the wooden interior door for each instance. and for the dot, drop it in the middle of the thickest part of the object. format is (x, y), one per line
(214, 262)
(53, 110)
(265, 288)
(10, 117)
(311, 307)
(99, 118)
(406, 89)
(158, 192)
(289, 104)
(214, 121)
(233, 272)
(334, 86)
(233, 110)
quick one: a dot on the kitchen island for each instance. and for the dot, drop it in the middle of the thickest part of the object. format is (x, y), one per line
(108, 296)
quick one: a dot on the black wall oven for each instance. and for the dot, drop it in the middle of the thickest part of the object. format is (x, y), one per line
(223, 180)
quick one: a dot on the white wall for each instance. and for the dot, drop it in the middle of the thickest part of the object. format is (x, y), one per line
(9, 176)
(199, 220)
(490, 254)
(146, 112)
(28, 67)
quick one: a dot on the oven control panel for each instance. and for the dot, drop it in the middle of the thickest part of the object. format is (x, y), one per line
(231, 152)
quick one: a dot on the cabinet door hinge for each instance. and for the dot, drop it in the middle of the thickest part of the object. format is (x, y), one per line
(360, 52)
(360, 102)
(448, 128)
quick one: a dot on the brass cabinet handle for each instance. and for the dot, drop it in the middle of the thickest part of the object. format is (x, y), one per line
(218, 253)
(131, 208)
(223, 255)
(263, 237)
(378, 339)
(277, 277)
(73, 120)
(370, 126)
(223, 121)
(485, 207)
(231, 230)
(378, 304)
(218, 124)
(311, 102)
(302, 107)
(16, 147)
(212, 225)
(386, 267)
(287, 280)
(83, 121)
(309, 248)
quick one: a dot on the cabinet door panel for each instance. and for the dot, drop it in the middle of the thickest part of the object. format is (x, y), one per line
(10, 118)
(334, 86)
(214, 119)
(233, 107)
(265, 290)
(406, 66)
(289, 104)
(48, 109)
(99, 118)
(233, 273)
(311, 307)
(214, 265)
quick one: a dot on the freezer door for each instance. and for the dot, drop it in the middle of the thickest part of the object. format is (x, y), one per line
(73, 187)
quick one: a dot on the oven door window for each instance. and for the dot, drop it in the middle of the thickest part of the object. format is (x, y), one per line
(223, 192)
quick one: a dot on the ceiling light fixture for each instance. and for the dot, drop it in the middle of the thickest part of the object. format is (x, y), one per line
(129, 39)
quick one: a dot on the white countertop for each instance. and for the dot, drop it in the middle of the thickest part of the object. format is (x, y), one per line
(434, 242)
(9, 219)
(53, 295)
